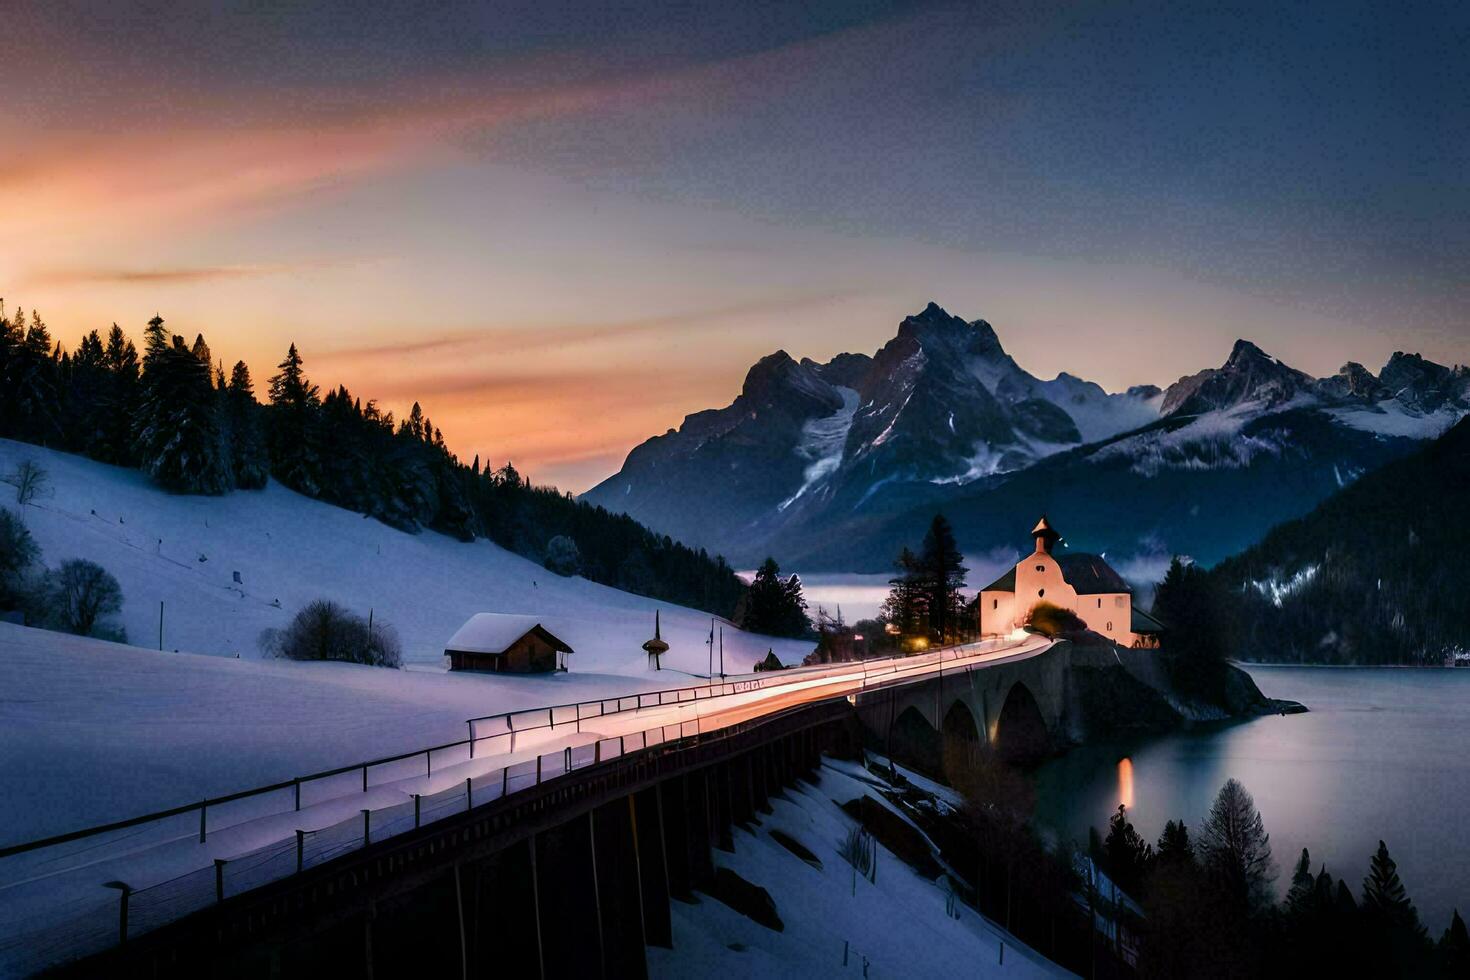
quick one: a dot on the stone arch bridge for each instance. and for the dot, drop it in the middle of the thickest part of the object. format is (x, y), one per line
(1017, 706)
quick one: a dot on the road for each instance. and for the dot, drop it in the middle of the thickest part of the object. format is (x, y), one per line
(56, 900)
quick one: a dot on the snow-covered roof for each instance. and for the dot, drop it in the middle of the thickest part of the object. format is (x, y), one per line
(495, 632)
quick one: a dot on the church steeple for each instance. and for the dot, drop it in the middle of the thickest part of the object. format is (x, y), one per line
(1046, 536)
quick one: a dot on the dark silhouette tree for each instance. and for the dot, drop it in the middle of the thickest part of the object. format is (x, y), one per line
(1454, 949)
(907, 602)
(942, 571)
(775, 606)
(176, 433)
(18, 552)
(1236, 850)
(80, 594)
(293, 439)
(1126, 854)
(249, 459)
(1174, 846)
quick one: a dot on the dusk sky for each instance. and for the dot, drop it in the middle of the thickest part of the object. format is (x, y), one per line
(563, 227)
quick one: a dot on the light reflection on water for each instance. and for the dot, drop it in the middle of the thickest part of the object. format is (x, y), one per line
(1383, 753)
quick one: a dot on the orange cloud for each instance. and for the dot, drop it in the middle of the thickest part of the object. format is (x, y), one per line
(502, 339)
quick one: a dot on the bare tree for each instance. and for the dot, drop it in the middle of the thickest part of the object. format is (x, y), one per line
(31, 481)
(80, 593)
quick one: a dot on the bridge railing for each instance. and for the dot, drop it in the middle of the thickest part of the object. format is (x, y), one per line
(118, 911)
(142, 909)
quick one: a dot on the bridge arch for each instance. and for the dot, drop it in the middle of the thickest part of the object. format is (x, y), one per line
(1021, 735)
(961, 742)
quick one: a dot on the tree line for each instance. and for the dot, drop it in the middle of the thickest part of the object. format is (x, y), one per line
(1209, 906)
(176, 414)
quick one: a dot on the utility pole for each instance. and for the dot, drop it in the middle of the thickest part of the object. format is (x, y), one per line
(722, 653)
(160, 625)
(711, 644)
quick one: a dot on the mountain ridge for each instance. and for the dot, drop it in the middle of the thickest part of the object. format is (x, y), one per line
(941, 416)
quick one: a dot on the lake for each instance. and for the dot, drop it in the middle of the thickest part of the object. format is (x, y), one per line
(1383, 753)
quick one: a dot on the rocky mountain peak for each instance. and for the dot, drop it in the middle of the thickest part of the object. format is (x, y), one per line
(779, 381)
(1248, 375)
(1416, 382)
(1353, 381)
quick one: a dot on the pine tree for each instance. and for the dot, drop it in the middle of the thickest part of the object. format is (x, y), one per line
(31, 383)
(906, 602)
(1302, 896)
(1384, 897)
(773, 605)
(1236, 850)
(118, 399)
(249, 461)
(1126, 854)
(176, 433)
(1174, 846)
(942, 572)
(1454, 949)
(293, 438)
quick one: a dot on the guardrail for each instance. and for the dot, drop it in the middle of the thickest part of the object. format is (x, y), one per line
(74, 927)
(526, 720)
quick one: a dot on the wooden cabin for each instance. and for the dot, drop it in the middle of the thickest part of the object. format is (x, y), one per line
(503, 643)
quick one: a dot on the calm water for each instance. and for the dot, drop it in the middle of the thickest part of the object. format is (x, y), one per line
(1383, 753)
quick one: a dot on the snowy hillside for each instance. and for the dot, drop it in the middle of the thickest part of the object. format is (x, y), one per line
(894, 926)
(183, 551)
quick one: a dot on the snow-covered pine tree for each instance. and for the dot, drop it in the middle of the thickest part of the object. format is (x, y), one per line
(176, 433)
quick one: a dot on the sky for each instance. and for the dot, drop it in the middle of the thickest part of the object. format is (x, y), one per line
(562, 227)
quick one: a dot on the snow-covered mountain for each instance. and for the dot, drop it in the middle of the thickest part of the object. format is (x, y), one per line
(940, 405)
(834, 466)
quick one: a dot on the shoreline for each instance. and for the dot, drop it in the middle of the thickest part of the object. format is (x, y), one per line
(1247, 664)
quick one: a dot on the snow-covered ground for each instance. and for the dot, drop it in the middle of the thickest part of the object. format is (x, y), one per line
(183, 551)
(896, 925)
(99, 731)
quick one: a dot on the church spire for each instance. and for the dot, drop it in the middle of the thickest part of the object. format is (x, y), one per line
(1046, 536)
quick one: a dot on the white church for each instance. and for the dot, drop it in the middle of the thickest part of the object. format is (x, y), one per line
(1083, 583)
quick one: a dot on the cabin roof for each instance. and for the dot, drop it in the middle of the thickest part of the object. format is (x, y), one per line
(497, 632)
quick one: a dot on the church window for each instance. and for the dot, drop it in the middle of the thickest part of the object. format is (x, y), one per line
(1040, 593)
(1041, 568)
